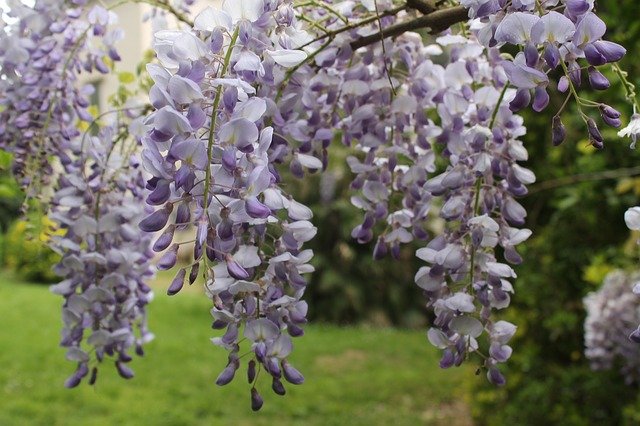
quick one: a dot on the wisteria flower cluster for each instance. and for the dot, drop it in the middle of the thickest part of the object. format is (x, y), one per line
(570, 41)
(97, 201)
(105, 260)
(613, 313)
(257, 88)
(211, 156)
(41, 57)
(397, 182)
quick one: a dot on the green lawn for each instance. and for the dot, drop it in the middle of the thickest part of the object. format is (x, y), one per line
(354, 376)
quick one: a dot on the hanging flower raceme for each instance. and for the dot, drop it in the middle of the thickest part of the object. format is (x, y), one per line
(612, 314)
(41, 56)
(565, 35)
(465, 281)
(211, 156)
(106, 261)
(264, 85)
(385, 115)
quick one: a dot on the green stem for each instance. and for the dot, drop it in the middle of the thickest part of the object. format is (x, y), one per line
(494, 116)
(478, 186)
(476, 205)
(629, 87)
(573, 90)
(212, 127)
(388, 68)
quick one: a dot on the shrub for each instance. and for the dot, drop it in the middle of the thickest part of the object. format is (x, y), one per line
(26, 253)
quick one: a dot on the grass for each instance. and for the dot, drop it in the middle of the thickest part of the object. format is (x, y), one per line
(354, 376)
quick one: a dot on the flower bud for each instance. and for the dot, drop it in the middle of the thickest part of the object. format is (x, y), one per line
(380, 250)
(226, 376)
(177, 283)
(124, 371)
(251, 371)
(395, 250)
(541, 99)
(495, 377)
(183, 215)
(512, 256)
(278, 387)
(94, 376)
(608, 111)
(229, 100)
(294, 330)
(612, 52)
(160, 194)
(169, 259)
(594, 134)
(563, 84)
(447, 360)
(164, 240)
(610, 116)
(296, 168)
(217, 40)
(575, 73)
(156, 220)
(531, 55)
(558, 131)
(593, 56)
(256, 400)
(551, 55)
(256, 209)
(229, 160)
(597, 80)
(577, 7)
(292, 375)
(72, 381)
(193, 276)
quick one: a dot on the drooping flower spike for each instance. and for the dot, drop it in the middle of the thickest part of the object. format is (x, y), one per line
(259, 88)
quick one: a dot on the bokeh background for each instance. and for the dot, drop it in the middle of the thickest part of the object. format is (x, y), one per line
(366, 357)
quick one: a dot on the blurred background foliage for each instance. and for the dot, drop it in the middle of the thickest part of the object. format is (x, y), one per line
(575, 210)
(26, 252)
(10, 194)
(23, 246)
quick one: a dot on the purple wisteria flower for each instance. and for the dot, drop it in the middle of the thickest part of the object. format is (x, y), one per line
(213, 160)
(552, 34)
(613, 313)
(257, 88)
(105, 262)
(41, 100)
(397, 182)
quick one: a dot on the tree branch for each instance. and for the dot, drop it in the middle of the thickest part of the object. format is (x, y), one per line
(423, 6)
(584, 177)
(436, 21)
(332, 34)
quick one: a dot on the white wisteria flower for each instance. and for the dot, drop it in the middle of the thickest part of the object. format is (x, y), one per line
(632, 218)
(632, 130)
